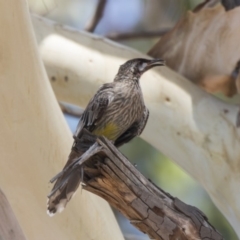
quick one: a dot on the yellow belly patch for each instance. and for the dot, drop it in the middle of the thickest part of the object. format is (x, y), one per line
(110, 131)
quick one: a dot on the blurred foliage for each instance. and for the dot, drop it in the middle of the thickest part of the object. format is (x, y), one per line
(133, 16)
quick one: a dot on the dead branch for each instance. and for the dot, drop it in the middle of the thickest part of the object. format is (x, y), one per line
(110, 175)
(133, 35)
(9, 226)
(97, 16)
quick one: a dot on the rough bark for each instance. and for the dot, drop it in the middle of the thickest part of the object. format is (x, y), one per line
(35, 140)
(108, 174)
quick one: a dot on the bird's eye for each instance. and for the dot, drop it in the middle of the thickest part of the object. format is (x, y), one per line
(142, 66)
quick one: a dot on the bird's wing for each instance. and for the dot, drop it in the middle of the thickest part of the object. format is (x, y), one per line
(134, 131)
(68, 181)
(95, 108)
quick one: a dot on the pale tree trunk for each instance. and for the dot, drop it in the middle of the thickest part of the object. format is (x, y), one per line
(9, 227)
(35, 140)
(193, 128)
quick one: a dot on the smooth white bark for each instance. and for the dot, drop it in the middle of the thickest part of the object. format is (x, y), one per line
(35, 140)
(193, 128)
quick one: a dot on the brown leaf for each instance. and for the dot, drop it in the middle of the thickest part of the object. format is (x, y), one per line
(204, 47)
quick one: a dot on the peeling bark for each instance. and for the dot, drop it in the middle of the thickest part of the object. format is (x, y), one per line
(203, 44)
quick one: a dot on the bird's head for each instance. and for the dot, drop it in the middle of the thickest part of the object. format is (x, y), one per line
(134, 68)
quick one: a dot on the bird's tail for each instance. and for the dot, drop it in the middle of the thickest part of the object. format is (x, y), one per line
(68, 180)
(65, 186)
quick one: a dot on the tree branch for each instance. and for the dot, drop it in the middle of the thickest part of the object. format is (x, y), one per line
(133, 35)
(108, 174)
(71, 110)
(193, 128)
(97, 16)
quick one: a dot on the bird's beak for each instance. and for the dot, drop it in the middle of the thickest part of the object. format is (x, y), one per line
(153, 63)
